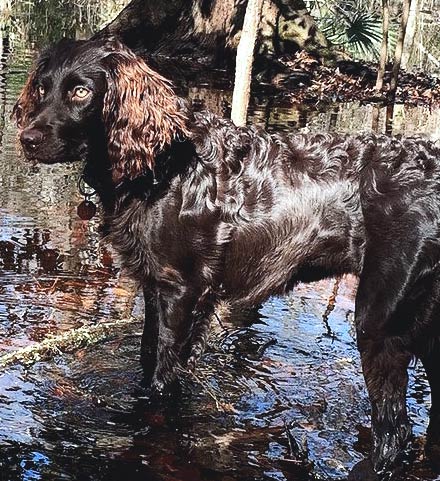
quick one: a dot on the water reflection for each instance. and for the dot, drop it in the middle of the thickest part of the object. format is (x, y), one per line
(87, 415)
(277, 114)
(54, 272)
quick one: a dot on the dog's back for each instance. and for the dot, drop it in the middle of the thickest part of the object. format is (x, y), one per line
(296, 202)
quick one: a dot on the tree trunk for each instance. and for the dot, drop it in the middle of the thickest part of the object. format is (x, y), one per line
(375, 118)
(411, 30)
(384, 46)
(245, 56)
(399, 48)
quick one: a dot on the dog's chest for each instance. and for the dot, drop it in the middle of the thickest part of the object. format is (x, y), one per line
(131, 235)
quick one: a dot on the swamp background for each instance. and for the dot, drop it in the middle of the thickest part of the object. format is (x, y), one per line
(85, 415)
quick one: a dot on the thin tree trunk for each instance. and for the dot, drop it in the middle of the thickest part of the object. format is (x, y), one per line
(399, 48)
(245, 56)
(389, 119)
(411, 30)
(375, 118)
(384, 46)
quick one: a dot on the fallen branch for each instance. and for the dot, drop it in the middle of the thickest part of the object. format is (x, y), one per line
(62, 343)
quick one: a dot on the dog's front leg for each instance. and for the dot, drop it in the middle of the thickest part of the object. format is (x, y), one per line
(184, 320)
(150, 332)
(177, 305)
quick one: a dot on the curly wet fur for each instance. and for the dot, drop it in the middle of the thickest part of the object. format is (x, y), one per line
(202, 211)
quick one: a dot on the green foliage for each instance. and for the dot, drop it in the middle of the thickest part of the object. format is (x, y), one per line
(46, 21)
(364, 33)
(351, 26)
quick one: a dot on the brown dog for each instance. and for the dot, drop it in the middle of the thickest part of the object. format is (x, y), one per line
(203, 211)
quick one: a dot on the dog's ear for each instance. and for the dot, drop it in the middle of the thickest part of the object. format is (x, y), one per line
(141, 113)
(28, 99)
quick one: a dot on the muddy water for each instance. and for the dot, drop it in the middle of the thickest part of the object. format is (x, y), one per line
(292, 368)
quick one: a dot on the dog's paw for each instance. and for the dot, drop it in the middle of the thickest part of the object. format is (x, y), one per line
(164, 380)
(433, 454)
(158, 387)
(363, 471)
(195, 355)
(163, 393)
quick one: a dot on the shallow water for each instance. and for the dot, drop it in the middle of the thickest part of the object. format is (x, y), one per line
(291, 367)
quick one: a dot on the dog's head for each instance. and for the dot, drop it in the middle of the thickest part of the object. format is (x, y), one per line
(80, 93)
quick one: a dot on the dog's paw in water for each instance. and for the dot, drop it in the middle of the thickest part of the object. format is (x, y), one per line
(433, 455)
(363, 471)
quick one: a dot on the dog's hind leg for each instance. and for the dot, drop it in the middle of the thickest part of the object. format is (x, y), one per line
(426, 341)
(431, 363)
(384, 364)
(382, 323)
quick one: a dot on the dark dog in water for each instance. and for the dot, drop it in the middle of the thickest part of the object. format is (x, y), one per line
(203, 211)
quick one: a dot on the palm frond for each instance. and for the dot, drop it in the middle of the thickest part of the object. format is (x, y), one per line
(364, 33)
(350, 27)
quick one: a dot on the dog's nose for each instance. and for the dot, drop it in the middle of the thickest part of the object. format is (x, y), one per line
(31, 138)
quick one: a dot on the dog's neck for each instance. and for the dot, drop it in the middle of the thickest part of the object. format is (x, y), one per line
(97, 172)
(114, 191)
(175, 159)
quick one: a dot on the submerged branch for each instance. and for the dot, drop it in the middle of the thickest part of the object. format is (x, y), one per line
(61, 343)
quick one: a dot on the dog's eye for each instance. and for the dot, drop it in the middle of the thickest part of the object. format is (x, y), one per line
(41, 91)
(80, 93)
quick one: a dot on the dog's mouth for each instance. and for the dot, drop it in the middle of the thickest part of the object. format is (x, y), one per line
(34, 159)
(57, 156)
(40, 159)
